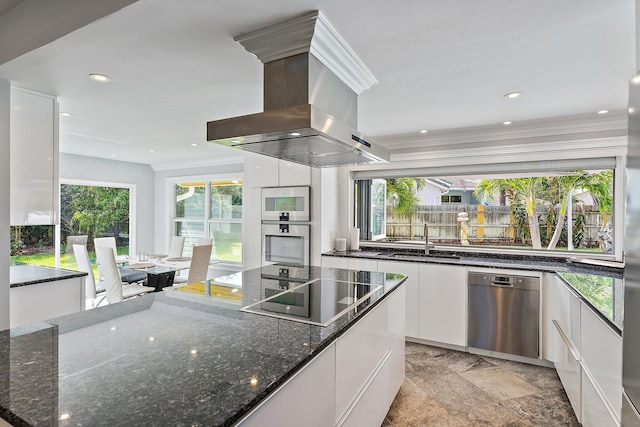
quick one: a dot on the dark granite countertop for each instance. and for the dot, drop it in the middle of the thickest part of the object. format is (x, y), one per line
(600, 286)
(27, 274)
(170, 358)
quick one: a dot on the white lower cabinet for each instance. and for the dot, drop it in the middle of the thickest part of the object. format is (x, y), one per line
(443, 304)
(351, 383)
(412, 271)
(318, 409)
(601, 351)
(594, 410)
(567, 364)
(363, 264)
(335, 262)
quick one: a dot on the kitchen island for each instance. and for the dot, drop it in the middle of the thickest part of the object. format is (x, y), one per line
(38, 293)
(193, 358)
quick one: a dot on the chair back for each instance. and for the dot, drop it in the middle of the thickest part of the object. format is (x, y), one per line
(199, 264)
(203, 241)
(82, 259)
(112, 282)
(109, 242)
(176, 247)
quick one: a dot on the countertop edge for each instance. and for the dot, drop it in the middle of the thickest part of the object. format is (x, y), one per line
(60, 274)
(255, 403)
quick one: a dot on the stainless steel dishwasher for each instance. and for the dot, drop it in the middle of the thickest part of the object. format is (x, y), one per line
(504, 313)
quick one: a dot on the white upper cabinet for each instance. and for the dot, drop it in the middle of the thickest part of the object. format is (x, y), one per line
(264, 171)
(34, 158)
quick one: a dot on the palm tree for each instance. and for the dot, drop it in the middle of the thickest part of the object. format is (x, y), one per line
(519, 191)
(403, 192)
(598, 185)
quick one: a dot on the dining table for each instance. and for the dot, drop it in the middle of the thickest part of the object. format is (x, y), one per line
(160, 270)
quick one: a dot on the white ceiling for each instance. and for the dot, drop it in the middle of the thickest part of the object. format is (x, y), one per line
(439, 65)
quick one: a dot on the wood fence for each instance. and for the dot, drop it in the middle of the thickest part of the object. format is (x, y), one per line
(491, 225)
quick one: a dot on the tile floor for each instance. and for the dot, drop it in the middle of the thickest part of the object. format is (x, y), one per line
(451, 388)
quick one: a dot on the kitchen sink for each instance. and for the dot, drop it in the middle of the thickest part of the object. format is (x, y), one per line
(422, 257)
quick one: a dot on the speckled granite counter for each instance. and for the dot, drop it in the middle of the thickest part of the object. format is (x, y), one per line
(599, 286)
(169, 359)
(27, 274)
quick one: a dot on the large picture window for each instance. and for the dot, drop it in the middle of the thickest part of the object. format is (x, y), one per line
(210, 210)
(547, 210)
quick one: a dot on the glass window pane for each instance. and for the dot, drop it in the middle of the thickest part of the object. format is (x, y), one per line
(378, 208)
(226, 201)
(35, 245)
(191, 231)
(190, 200)
(561, 211)
(227, 241)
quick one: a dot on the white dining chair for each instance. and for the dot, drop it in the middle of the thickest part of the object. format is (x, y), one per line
(116, 291)
(203, 241)
(176, 247)
(92, 289)
(199, 266)
(127, 275)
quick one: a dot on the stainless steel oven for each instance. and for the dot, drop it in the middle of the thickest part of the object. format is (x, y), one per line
(285, 243)
(286, 204)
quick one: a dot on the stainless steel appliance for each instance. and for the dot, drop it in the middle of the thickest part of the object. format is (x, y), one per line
(285, 204)
(504, 314)
(631, 317)
(286, 243)
(310, 114)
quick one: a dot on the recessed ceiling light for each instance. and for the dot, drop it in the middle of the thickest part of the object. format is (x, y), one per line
(114, 155)
(152, 151)
(635, 79)
(603, 111)
(512, 95)
(424, 131)
(295, 134)
(99, 77)
(507, 123)
(66, 114)
(194, 144)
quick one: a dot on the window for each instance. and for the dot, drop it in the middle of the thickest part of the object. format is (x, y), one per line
(210, 209)
(560, 209)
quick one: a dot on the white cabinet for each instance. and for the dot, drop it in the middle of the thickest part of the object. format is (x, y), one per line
(34, 158)
(412, 288)
(363, 264)
(43, 301)
(335, 262)
(351, 383)
(601, 351)
(443, 304)
(264, 171)
(594, 410)
(290, 173)
(317, 382)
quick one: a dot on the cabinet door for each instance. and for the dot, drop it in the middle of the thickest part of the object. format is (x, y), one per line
(260, 171)
(335, 262)
(363, 264)
(34, 153)
(412, 271)
(443, 304)
(290, 173)
(601, 352)
(594, 411)
(567, 364)
(317, 381)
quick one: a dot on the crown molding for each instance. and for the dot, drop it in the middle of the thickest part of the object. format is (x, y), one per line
(310, 33)
(579, 126)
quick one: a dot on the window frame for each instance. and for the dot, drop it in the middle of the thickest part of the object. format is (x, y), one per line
(616, 162)
(207, 220)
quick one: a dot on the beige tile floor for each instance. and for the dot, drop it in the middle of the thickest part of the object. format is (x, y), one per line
(450, 388)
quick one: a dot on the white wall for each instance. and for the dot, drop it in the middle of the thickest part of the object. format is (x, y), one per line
(5, 97)
(102, 170)
(163, 207)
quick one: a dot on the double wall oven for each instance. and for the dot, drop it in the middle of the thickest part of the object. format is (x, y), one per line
(286, 228)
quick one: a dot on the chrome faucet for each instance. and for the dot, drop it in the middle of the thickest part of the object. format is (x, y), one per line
(426, 239)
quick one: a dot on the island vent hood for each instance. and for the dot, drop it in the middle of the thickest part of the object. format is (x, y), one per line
(311, 82)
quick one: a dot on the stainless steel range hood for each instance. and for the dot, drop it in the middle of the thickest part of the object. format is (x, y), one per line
(310, 115)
